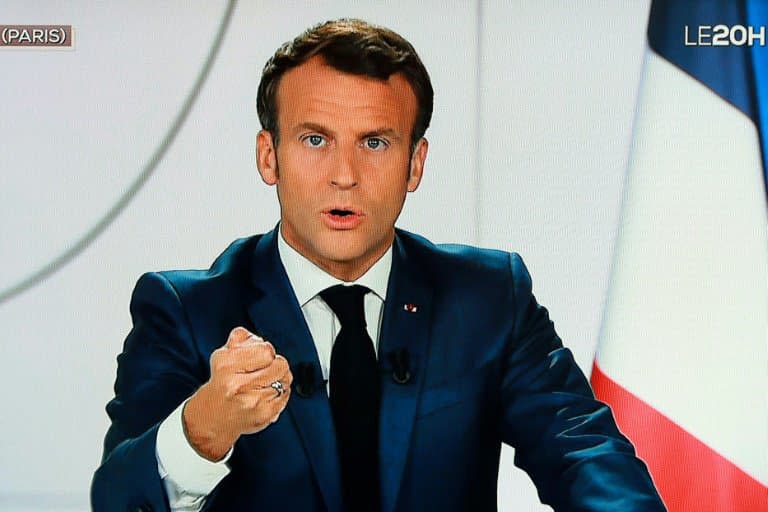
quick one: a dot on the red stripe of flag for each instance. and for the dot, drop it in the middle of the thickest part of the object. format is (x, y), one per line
(689, 475)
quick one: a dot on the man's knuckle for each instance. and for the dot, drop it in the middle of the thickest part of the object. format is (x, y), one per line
(281, 365)
(247, 402)
(261, 417)
(268, 349)
(255, 403)
(232, 388)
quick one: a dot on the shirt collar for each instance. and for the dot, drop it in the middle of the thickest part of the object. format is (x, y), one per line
(307, 279)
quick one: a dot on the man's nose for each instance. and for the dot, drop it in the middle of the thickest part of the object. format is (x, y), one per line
(344, 174)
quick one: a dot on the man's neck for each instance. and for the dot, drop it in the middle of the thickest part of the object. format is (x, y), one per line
(345, 270)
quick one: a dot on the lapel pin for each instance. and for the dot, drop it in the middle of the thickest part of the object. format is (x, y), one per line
(411, 308)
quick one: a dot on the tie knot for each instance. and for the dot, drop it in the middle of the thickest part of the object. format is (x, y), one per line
(347, 303)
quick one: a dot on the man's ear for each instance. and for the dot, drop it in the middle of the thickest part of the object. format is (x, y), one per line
(417, 164)
(266, 157)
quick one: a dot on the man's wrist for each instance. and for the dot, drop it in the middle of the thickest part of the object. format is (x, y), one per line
(180, 463)
(207, 443)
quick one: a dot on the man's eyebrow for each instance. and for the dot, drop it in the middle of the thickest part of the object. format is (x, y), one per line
(314, 127)
(381, 132)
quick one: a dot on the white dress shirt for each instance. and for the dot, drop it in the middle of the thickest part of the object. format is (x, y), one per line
(188, 477)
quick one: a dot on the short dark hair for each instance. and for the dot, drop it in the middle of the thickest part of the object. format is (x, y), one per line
(351, 46)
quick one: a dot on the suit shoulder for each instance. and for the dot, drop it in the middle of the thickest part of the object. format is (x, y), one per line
(230, 264)
(462, 260)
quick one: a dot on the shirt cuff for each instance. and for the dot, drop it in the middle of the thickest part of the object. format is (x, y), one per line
(179, 462)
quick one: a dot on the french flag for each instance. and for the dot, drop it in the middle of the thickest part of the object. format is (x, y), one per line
(683, 352)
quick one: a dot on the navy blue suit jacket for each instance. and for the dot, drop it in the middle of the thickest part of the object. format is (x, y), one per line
(486, 367)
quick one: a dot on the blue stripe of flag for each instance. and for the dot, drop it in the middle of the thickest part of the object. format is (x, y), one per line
(738, 74)
(757, 15)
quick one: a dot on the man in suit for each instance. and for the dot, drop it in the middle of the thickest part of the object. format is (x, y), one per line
(338, 363)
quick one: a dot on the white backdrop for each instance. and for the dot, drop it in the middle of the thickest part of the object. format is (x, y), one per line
(528, 148)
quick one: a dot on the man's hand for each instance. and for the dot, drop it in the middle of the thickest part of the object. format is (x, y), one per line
(238, 398)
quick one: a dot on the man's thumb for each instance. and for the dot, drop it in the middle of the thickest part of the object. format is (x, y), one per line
(240, 336)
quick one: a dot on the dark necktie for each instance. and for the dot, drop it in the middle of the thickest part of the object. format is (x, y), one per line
(355, 397)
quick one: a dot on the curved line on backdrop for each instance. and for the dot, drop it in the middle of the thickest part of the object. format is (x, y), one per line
(92, 234)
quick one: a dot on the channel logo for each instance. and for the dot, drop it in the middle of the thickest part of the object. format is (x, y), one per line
(724, 35)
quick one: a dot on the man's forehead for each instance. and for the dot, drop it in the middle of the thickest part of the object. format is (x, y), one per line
(315, 86)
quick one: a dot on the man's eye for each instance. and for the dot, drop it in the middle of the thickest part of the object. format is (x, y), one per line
(314, 141)
(375, 143)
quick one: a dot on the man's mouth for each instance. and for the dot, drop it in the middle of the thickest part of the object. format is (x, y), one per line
(343, 217)
(343, 211)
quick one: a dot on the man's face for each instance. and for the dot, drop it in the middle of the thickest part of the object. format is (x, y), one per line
(343, 164)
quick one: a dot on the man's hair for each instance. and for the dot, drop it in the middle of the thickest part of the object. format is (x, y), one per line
(351, 46)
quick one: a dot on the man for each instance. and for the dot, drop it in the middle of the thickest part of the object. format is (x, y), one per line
(337, 363)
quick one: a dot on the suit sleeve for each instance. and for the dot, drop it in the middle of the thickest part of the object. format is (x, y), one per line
(158, 369)
(564, 438)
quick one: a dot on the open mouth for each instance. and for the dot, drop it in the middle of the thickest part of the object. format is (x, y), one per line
(343, 217)
(343, 211)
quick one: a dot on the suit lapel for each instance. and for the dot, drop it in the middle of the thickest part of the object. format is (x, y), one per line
(277, 317)
(406, 325)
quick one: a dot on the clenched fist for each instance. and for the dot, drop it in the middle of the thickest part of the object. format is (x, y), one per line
(239, 397)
